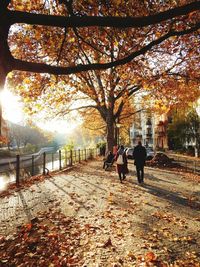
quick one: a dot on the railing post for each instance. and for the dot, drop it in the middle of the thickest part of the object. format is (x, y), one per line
(52, 159)
(65, 158)
(71, 158)
(79, 156)
(75, 156)
(17, 168)
(32, 165)
(44, 162)
(60, 165)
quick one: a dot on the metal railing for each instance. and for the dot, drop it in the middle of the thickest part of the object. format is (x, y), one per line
(189, 165)
(22, 167)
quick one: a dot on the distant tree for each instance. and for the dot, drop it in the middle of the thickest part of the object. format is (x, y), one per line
(23, 135)
(185, 128)
(177, 136)
(193, 129)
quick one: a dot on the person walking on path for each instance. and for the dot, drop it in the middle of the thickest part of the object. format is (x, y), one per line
(139, 155)
(121, 161)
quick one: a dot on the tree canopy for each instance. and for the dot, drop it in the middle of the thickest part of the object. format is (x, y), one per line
(150, 45)
(154, 22)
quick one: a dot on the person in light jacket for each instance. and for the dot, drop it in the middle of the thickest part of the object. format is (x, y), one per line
(121, 161)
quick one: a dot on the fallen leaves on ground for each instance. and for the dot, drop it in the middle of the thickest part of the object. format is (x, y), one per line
(49, 240)
(12, 188)
(129, 230)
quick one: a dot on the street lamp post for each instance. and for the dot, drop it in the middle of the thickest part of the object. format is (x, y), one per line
(118, 125)
(148, 131)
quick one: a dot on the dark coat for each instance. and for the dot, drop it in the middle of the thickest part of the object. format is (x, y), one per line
(139, 155)
(110, 158)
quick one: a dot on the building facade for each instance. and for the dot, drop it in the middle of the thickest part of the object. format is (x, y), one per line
(151, 130)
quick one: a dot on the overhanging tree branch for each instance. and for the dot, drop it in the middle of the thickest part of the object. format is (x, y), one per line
(86, 21)
(43, 68)
(131, 90)
(75, 109)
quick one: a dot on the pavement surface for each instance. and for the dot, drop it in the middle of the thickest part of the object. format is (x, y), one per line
(161, 217)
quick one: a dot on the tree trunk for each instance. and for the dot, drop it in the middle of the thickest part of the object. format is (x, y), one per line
(2, 82)
(4, 51)
(110, 133)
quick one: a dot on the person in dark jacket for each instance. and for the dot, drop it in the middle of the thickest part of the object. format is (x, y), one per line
(139, 155)
(122, 168)
(108, 160)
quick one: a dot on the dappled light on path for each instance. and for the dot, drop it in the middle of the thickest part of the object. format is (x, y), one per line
(126, 224)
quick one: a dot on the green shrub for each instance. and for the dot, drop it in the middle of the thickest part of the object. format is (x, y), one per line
(30, 148)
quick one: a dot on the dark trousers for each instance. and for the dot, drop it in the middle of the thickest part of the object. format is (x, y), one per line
(122, 175)
(140, 172)
(106, 164)
(121, 169)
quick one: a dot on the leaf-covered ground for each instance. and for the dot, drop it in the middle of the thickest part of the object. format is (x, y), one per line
(86, 217)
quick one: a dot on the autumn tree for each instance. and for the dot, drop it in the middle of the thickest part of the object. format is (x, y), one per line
(105, 95)
(94, 125)
(184, 128)
(21, 136)
(93, 29)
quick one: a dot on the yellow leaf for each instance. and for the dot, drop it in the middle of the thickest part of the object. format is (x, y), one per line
(10, 75)
(71, 40)
(117, 2)
(27, 80)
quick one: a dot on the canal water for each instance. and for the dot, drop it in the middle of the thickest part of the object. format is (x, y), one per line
(9, 176)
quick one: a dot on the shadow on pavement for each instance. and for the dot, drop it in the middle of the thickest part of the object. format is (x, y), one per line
(67, 193)
(171, 196)
(95, 185)
(25, 206)
(153, 178)
(70, 182)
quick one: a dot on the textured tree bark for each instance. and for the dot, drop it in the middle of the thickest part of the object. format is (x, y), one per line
(2, 83)
(110, 132)
(4, 52)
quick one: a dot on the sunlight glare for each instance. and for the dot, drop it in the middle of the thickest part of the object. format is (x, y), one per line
(12, 108)
(13, 112)
(2, 183)
(198, 107)
(59, 126)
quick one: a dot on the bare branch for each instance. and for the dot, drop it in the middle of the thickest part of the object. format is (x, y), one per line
(62, 45)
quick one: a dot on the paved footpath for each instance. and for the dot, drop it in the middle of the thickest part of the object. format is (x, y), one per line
(163, 215)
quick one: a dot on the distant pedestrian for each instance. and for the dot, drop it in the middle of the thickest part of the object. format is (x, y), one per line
(139, 155)
(121, 161)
